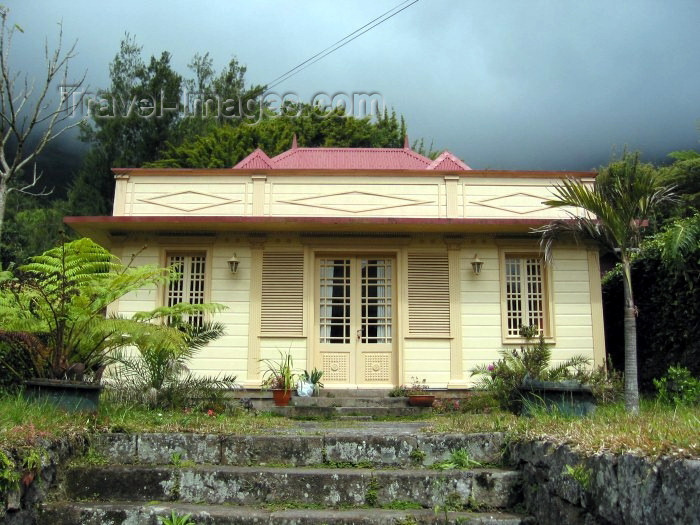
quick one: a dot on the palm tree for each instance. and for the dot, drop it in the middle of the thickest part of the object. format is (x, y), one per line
(615, 211)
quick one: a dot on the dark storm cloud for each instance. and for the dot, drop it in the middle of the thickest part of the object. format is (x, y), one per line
(503, 84)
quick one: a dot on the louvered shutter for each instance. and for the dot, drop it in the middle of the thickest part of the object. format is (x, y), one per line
(428, 294)
(282, 301)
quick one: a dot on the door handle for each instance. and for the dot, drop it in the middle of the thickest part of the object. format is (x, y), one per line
(359, 334)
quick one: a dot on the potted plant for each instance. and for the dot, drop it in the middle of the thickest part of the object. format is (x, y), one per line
(522, 380)
(280, 378)
(310, 383)
(418, 393)
(54, 308)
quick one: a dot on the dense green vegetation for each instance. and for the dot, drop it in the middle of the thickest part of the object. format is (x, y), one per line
(665, 278)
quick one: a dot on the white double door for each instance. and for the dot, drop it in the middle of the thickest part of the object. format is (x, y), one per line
(354, 310)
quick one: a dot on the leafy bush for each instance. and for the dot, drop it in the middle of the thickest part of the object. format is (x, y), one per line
(156, 375)
(504, 377)
(16, 365)
(678, 387)
(61, 296)
(398, 391)
(176, 519)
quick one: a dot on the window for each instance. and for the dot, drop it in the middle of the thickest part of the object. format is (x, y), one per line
(189, 287)
(525, 294)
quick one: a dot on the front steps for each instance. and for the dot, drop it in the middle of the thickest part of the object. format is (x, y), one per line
(375, 474)
(102, 514)
(340, 404)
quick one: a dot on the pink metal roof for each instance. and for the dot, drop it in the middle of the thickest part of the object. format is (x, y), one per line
(448, 162)
(256, 160)
(351, 159)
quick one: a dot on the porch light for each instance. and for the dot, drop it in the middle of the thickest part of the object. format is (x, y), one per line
(477, 264)
(233, 264)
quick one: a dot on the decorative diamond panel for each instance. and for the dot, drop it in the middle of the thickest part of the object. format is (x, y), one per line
(336, 367)
(520, 203)
(189, 200)
(377, 368)
(355, 202)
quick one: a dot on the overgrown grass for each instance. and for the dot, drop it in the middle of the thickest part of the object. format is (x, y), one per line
(130, 418)
(657, 430)
(23, 423)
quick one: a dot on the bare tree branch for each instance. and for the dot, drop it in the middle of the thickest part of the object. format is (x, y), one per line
(31, 118)
(35, 180)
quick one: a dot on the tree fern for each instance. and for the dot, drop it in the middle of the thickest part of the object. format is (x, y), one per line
(61, 296)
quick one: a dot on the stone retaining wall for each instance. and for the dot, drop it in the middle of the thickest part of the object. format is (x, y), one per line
(563, 486)
(21, 505)
(601, 489)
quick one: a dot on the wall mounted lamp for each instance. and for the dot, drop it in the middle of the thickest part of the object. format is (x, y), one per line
(477, 264)
(233, 263)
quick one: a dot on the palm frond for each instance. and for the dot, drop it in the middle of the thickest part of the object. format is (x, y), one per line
(613, 211)
(680, 239)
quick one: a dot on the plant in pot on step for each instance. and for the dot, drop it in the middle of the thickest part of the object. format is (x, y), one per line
(280, 378)
(310, 383)
(418, 393)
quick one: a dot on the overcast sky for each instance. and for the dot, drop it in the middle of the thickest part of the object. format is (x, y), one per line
(509, 84)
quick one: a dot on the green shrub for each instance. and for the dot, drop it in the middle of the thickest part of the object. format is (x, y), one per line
(678, 387)
(504, 377)
(176, 519)
(156, 375)
(667, 298)
(9, 477)
(15, 362)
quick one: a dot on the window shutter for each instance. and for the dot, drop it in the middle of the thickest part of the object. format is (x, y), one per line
(428, 294)
(282, 301)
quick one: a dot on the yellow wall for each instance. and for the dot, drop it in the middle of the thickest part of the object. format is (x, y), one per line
(577, 324)
(229, 353)
(476, 331)
(573, 317)
(383, 195)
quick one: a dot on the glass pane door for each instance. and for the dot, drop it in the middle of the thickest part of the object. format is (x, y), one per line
(355, 308)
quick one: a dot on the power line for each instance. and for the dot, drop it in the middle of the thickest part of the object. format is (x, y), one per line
(345, 40)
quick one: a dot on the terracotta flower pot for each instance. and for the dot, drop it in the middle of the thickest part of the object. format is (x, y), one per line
(422, 400)
(281, 397)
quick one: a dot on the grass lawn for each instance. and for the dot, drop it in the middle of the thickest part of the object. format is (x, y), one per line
(657, 430)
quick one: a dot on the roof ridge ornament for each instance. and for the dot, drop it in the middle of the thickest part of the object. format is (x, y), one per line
(406, 144)
(294, 142)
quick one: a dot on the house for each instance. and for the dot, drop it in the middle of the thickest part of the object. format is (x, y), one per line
(374, 265)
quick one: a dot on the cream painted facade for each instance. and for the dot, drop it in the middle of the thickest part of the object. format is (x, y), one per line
(366, 275)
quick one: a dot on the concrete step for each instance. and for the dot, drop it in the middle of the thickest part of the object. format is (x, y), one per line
(323, 406)
(324, 401)
(330, 412)
(379, 445)
(328, 487)
(136, 514)
(262, 400)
